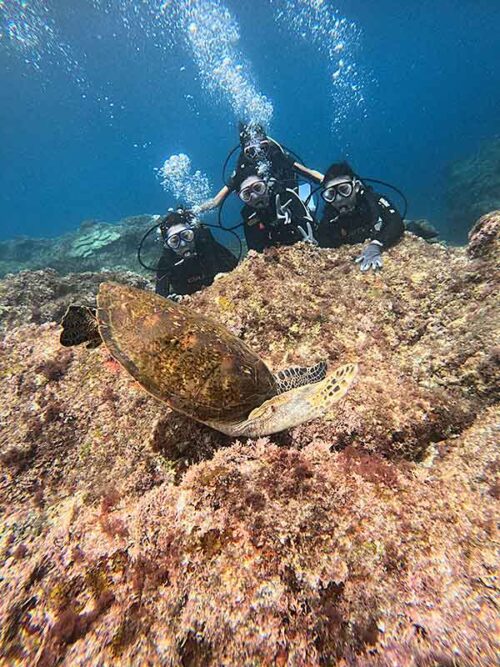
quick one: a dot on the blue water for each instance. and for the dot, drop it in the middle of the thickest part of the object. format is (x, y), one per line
(93, 104)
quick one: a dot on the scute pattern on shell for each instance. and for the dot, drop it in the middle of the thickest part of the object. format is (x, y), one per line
(186, 360)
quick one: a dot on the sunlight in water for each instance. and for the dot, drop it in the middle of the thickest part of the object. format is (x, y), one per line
(206, 29)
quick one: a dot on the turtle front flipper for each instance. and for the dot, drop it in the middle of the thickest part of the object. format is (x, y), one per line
(298, 376)
(79, 325)
(297, 405)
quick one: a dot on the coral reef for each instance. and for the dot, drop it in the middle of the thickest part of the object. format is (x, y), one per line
(473, 188)
(131, 535)
(97, 246)
(483, 237)
(89, 244)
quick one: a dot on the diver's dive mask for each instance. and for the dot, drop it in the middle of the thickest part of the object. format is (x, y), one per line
(256, 149)
(342, 195)
(256, 194)
(181, 239)
(177, 239)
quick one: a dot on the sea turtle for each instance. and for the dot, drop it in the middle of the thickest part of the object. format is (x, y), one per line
(197, 367)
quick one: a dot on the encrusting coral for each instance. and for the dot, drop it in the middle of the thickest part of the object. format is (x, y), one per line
(131, 535)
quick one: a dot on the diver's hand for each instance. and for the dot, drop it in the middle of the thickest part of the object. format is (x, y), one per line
(371, 257)
(205, 206)
(282, 213)
(307, 237)
(175, 297)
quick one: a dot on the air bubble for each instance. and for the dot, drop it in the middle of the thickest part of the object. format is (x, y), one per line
(316, 22)
(177, 177)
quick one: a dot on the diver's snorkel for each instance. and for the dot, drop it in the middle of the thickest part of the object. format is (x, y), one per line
(224, 167)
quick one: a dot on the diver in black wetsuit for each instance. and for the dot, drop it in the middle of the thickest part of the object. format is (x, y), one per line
(262, 156)
(273, 214)
(354, 213)
(191, 257)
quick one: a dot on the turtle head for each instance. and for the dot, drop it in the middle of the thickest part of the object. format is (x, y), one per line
(295, 406)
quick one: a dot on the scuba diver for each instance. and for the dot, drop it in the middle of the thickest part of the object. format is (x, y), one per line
(264, 157)
(354, 213)
(273, 214)
(191, 256)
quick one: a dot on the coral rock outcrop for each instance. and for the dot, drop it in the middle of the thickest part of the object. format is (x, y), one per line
(473, 188)
(36, 297)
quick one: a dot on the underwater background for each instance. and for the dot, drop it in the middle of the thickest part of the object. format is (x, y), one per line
(98, 94)
(133, 529)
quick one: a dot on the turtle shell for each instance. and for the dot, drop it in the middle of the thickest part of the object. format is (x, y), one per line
(190, 362)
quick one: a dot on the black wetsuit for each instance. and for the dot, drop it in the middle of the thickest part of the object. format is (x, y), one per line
(374, 219)
(263, 228)
(280, 167)
(189, 275)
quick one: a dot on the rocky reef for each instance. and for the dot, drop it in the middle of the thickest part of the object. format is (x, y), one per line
(134, 536)
(43, 296)
(94, 246)
(474, 187)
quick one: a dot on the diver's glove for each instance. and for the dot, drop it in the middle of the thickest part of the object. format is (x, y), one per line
(371, 257)
(175, 297)
(307, 237)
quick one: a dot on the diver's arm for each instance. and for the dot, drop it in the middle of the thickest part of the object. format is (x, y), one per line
(392, 227)
(316, 176)
(213, 203)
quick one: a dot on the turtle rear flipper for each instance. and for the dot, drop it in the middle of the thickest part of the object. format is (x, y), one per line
(80, 326)
(298, 376)
(295, 406)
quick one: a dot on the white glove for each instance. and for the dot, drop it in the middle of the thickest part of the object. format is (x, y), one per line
(308, 236)
(371, 257)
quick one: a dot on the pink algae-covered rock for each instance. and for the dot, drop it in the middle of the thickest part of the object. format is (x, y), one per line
(483, 237)
(134, 536)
